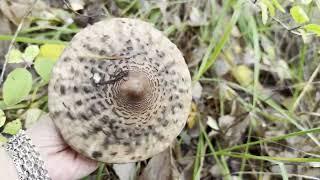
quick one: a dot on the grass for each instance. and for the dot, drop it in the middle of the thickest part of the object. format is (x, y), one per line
(30, 40)
(282, 114)
(208, 60)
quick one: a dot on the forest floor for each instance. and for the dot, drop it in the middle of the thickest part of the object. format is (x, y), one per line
(255, 70)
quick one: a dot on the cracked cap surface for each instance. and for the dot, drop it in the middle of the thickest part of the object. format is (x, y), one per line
(120, 92)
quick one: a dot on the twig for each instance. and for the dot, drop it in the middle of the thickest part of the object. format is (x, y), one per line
(13, 40)
(292, 30)
(286, 27)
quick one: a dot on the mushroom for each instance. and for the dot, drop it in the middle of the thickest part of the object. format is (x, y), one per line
(120, 92)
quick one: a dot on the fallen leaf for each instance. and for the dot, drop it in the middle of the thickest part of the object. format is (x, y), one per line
(233, 128)
(17, 9)
(221, 67)
(226, 121)
(282, 69)
(197, 17)
(125, 171)
(212, 123)
(227, 92)
(314, 164)
(215, 171)
(161, 167)
(196, 91)
(192, 116)
(243, 75)
(187, 172)
(76, 4)
(5, 30)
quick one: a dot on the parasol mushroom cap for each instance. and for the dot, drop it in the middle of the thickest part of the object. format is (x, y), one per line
(120, 92)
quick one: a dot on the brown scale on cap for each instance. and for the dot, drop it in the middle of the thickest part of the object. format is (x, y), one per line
(121, 91)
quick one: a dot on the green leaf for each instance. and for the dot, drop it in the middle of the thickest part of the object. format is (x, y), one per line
(270, 6)
(32, 116)
(14, 56)
(299, 15)
(43, 67)
(2, 118)
(13, 127)
(30, 53)
(17, 86)
(2, 139)
(278, 6)
(51, 51)
(2, 104)
(315, 28)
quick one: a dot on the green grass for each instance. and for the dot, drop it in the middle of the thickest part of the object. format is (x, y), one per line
(30, 40)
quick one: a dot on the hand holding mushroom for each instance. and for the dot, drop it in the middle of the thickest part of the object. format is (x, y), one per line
(60, 160)
(121, 92)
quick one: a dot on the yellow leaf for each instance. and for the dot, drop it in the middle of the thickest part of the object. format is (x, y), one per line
(299, 15)
(243, 75)
(51, 51)
(192, 116)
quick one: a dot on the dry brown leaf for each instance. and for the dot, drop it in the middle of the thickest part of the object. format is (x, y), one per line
(221, 67)
(161, 167)
(16, 10)
(187, 172)
(76, 4)
(192, 116)
(233, 128)
(125, 171)
(196, 91)
(197, 17)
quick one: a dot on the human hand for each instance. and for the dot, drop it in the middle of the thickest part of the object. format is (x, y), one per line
(62, 162)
